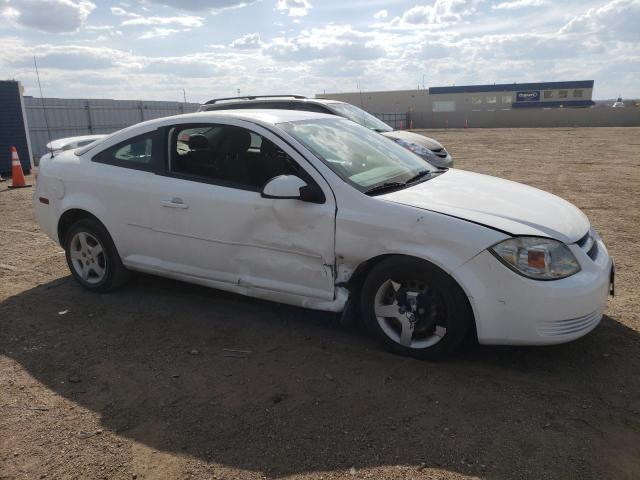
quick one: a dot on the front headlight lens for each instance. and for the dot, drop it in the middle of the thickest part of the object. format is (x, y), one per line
(538, 258)
(419, 150)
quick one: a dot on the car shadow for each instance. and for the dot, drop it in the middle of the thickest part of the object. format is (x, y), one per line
(282, 390)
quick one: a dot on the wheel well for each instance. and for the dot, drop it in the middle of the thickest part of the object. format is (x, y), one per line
(70, 217)
(354, 284)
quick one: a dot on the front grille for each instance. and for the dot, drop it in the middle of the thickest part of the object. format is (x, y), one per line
(584, 239)
(558, 328)
(589, 245)
(440, 152)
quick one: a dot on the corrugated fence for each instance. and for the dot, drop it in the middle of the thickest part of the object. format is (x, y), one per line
(527, 118)
(72, 117)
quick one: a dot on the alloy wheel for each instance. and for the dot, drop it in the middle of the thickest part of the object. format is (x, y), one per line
(410, 313)
(88, 257)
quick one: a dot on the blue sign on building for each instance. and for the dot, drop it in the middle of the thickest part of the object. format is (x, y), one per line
(529, 96)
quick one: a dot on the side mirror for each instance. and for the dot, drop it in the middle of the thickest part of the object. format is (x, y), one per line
(292, 187)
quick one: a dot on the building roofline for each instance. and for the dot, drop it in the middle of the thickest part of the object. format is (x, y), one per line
(511, 87)
(369, 92)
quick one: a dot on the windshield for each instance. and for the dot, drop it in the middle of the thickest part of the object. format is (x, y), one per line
(358, 115)
(356, 154)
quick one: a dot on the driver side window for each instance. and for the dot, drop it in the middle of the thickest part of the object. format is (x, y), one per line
(228, 155)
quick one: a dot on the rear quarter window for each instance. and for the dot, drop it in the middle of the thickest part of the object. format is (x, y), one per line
(136, 153)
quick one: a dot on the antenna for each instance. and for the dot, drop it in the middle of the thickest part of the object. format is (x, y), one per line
(184, 95)
(44, 110)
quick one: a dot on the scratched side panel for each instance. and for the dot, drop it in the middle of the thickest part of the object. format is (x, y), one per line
(367, 227)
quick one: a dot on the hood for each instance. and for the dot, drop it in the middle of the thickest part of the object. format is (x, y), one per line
(501, 204)
(416, 138)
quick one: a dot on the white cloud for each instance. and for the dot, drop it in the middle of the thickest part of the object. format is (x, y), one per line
(247, 42)
(159, 32)
(55, 16)
(294, 8)
(519, 4)
(118, 11)
(442, 12)
(186, 21)
(203, 5)
(379, 15)
(328, 42)
(617, 19)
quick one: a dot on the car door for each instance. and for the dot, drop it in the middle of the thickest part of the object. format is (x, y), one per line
(212, 223)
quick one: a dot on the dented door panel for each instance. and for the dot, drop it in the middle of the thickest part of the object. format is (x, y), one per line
(235, 236)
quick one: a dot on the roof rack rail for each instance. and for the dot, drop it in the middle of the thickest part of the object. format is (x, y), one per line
(252, 97)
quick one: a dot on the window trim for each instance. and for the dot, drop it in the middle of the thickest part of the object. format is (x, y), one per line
(165, 169)
(151, 167)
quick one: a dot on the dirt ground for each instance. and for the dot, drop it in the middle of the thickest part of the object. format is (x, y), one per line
(139, 384)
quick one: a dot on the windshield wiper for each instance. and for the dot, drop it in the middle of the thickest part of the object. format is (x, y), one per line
(395, 185)
(385, 186)
(419, 175)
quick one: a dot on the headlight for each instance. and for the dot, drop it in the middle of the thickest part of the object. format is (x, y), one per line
(419, 150)
(536, 257)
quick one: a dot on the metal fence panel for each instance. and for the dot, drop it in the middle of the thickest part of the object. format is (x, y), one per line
(527, 118)
(12, 129)
(398, 121)
(72, 117)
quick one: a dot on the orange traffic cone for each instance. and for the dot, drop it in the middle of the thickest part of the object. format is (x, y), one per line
(17, 176)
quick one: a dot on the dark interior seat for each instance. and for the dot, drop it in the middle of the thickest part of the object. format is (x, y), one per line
(199, 160)
(231, 155)
(275, 161)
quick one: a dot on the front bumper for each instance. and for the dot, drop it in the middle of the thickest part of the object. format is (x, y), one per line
(446, 162)
(513, 310)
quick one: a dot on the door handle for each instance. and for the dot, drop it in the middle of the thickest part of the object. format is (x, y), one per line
(175, 202)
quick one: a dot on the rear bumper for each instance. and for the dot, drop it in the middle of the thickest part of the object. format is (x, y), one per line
(45, 213)
(513, 310)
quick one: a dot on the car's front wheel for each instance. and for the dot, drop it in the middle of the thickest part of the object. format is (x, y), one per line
(414, 308)
(92, 257)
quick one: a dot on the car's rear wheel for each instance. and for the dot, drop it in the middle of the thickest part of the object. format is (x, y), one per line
(92, 257)
(414, 308)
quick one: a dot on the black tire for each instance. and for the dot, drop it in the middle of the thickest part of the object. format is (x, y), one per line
(115, 273)
(451, 299)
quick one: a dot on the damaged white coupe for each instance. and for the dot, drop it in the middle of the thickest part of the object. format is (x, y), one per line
(317, 211)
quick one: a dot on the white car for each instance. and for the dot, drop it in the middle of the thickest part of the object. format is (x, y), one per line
(60, 145)
(314, 210)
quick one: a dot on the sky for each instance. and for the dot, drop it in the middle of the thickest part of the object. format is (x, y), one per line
(162, 49)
